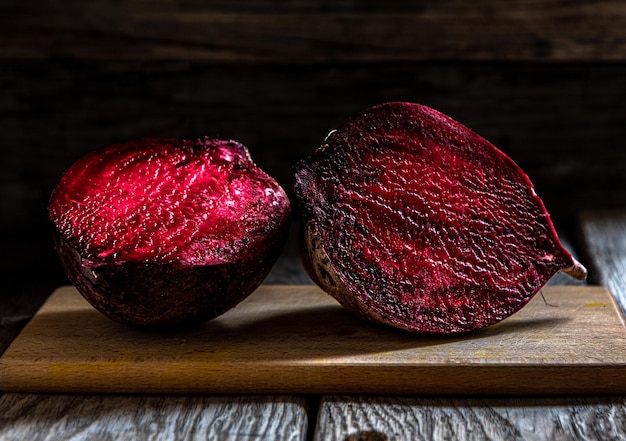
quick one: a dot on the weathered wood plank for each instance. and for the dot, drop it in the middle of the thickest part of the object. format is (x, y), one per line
(308, 31)
(413, 419)
(604, 238)
(155, 418)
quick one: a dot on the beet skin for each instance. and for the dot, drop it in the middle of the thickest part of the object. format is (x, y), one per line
(165, 232)
(415, 221)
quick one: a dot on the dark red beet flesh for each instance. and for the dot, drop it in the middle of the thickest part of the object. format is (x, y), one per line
(423, 224)
(164, 232)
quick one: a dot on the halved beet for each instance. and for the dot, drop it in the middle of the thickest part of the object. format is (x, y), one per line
(415, 221)
(165, 232)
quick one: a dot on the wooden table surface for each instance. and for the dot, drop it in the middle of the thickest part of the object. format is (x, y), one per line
(339, 417)
(543, 80)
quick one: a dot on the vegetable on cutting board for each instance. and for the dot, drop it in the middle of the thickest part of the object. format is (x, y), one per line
(415, 221)
(167, 232)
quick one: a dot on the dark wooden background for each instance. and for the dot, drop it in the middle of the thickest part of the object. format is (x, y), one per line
(544, 80)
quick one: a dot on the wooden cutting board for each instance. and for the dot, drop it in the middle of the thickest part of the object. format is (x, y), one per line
(296, 339)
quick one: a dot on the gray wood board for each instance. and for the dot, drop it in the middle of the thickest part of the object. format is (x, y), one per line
(509, 419)
(154, 418)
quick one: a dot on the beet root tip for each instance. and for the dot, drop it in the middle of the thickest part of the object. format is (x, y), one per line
(577, 271)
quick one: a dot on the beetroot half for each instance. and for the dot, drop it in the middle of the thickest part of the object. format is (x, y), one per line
(414, 221)
(165, 232)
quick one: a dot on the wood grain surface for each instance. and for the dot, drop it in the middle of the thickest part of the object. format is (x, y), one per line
(463, 419)
(296, 339)
(604, 236)
(154, 418)
(311, 31)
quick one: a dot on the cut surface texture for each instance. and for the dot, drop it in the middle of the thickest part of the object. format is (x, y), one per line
(193, 203)
(162, 231)
(415, 221)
